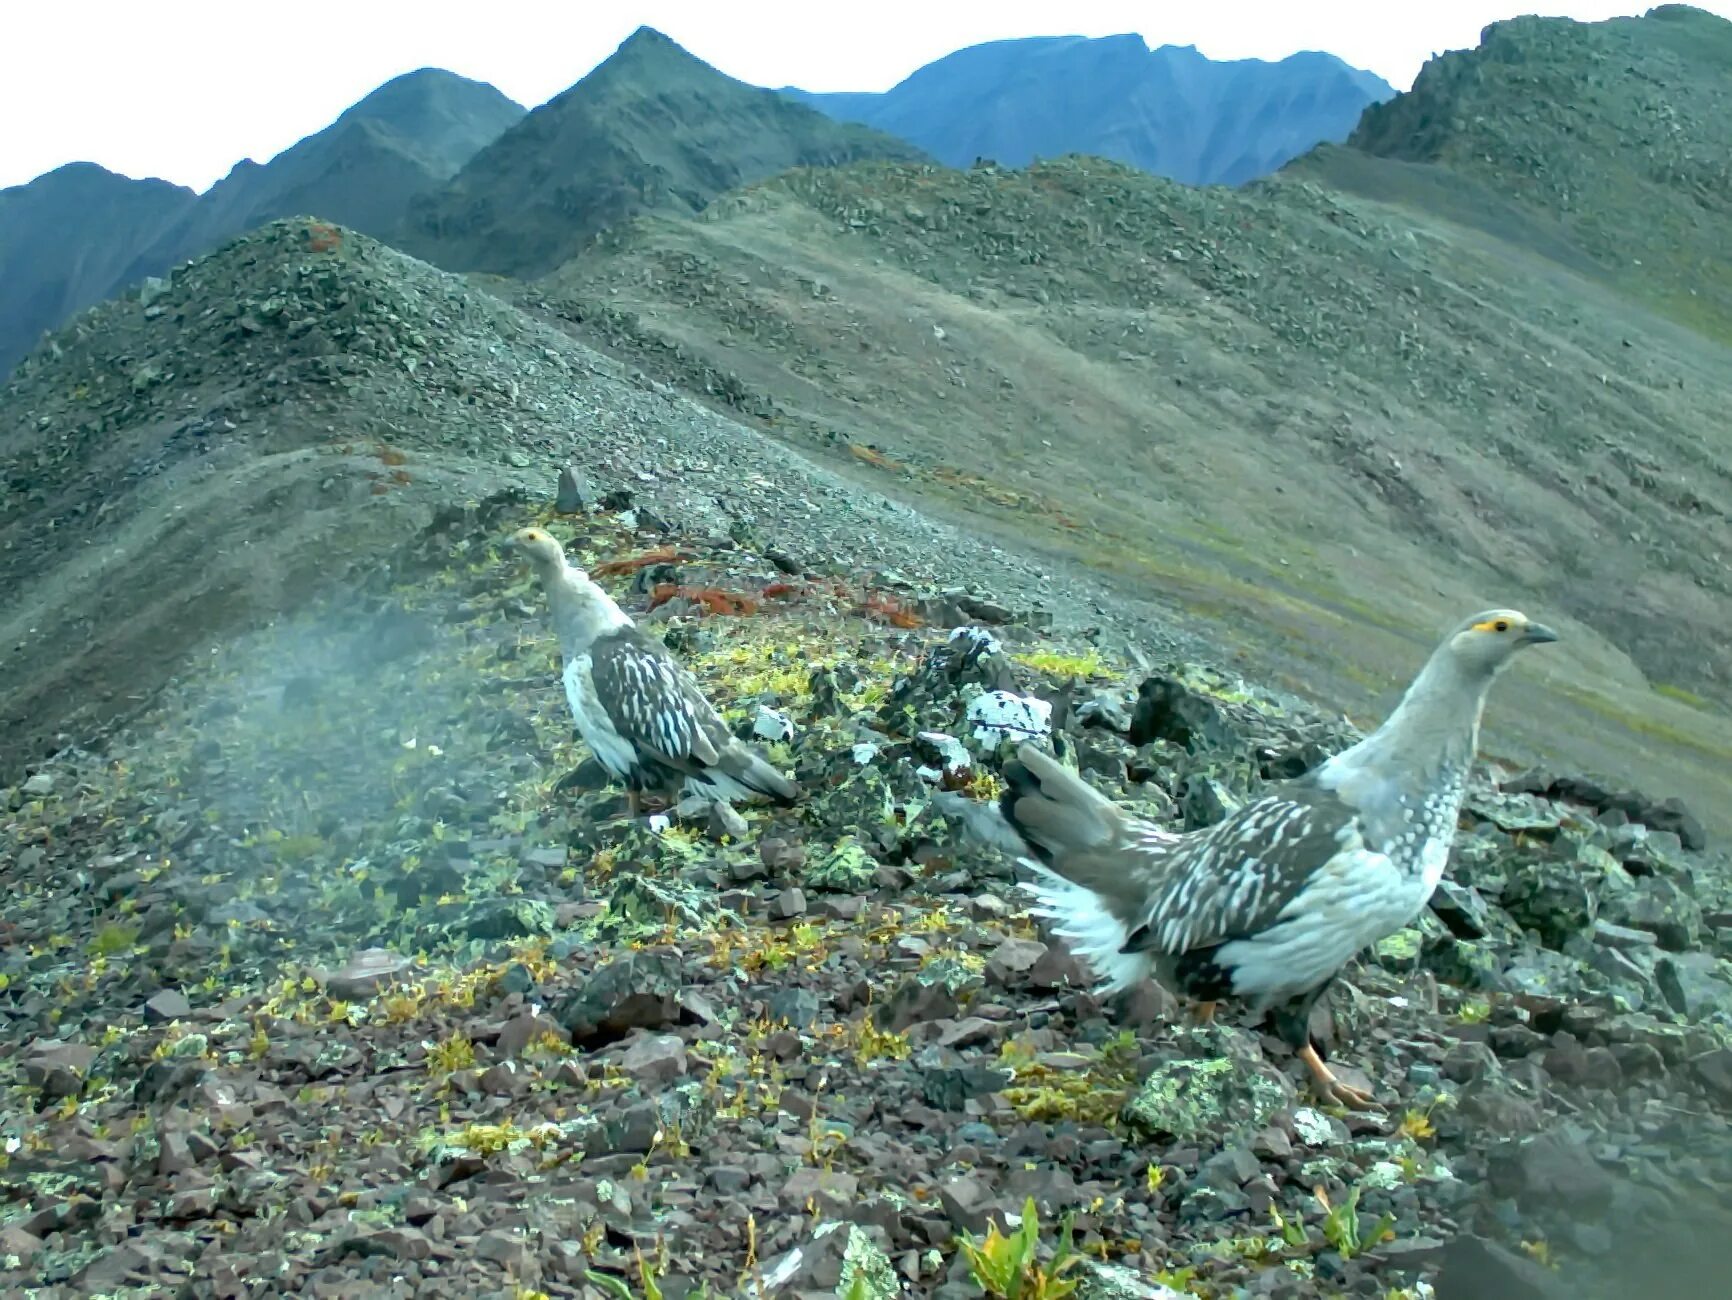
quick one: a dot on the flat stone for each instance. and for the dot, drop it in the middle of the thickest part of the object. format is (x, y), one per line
(365, 973)
(166, 1006)
(655, 1059)
(1205, 1102)
(1013, 958)
(15, 1241)
(827, 1186)
(1476, 1269)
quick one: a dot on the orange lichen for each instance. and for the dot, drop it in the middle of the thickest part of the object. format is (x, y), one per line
(613, 568)
(713, 599)
(322, 237)
(889, 610)
(872, 456)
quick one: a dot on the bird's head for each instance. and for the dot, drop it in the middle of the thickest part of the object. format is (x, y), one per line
(541, 548)
(1487, 641)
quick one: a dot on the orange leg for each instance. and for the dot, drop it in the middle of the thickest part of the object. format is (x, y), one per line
(1331, 1087)
(1203, 1013)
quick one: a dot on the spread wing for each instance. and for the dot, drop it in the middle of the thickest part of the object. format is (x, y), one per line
(654, 702)
(1236, 878)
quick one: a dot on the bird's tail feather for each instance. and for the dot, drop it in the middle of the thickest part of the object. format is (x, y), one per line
(1090, 926)
(743, 774)
(1053, 810)
(1063, 830)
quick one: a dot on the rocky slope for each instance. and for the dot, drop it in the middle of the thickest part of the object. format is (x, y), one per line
(1279, 408)
(651, 129)
(201, 455)
(340, 971)
(67, 239)
(80, 235)
(1618, 132)
(1170, 110)
(329, 967)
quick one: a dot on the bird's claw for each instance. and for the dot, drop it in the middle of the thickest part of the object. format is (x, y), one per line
(1345, 1094)
(1331, 1088)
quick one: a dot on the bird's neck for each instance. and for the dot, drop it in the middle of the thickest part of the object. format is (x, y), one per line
(581, 610)
(1433, 733)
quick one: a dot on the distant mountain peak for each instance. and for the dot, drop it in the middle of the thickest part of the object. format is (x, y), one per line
(651, 128)
(1170, 110)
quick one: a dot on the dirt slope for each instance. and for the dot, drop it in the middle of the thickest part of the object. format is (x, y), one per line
(293, 406)
(1316, 420)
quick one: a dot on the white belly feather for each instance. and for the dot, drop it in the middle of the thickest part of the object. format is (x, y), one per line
(1353, 901)
(614, 752)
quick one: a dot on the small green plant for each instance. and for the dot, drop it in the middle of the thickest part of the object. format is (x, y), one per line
(1341, 1227)
(113, 939)
(451, 1054)
(1010, 1267)
(1474, 1012)
(1292, 1230)
(614, 1286)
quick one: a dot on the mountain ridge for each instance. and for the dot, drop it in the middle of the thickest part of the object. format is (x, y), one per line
(651, 127)
(407, 135)
(1169, 109)
(67, 238)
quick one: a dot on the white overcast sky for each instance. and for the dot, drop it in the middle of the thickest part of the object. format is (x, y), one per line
(183, 89)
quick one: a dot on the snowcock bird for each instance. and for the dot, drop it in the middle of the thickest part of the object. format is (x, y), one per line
(1267, 906)
(642, 713)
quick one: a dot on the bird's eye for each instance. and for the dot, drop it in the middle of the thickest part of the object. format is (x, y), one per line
(1502, 625)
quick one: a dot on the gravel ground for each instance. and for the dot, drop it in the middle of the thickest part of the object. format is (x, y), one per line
(342, 973)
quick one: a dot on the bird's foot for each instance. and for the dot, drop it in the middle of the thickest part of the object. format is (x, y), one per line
(639, 804)
(1203, 1013)
(571, 780)
(1330, 1087)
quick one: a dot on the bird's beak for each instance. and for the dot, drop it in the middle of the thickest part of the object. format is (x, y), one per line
(1538, 634)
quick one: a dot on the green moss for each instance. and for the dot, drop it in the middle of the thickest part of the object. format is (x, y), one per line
(113, 939)
(1093, 1096)
(1190, 1100)
(1681, 695)
(1065, 665)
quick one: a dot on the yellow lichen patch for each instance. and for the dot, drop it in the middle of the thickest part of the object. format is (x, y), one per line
(1052, 664)
(451, 1054)
(1094, 1095)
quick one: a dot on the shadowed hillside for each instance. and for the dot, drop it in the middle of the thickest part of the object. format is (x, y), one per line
(66, 239)
(407, 137)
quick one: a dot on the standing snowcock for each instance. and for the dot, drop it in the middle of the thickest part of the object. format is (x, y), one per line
(640, 710)
(1268, 905)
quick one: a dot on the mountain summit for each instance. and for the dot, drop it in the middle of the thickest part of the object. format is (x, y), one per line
(410, 135)
(653, 128)
(1171, 110)
(1618, 133)
(67, 239)
(81, 234)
